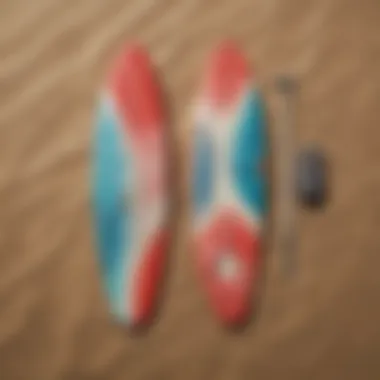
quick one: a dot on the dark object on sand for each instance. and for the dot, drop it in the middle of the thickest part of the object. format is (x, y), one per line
(312, 177)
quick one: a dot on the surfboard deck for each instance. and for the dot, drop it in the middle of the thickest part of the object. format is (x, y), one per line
(230, 195)
(129, 188)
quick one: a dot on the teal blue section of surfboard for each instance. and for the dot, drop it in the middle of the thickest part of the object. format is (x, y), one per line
(250, 150)
(112, 225)
(203, 162)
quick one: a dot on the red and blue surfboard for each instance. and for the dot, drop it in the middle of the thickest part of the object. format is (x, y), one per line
(230, 189)
(129, 187)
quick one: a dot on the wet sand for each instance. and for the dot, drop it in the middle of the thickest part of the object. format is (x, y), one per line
(321, 324)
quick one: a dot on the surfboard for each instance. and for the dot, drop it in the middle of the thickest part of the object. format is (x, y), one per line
(129, 187)
(230, 191)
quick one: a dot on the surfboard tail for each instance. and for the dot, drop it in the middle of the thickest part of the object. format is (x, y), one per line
(228, 259)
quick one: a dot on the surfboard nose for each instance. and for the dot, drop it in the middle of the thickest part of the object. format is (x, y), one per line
(227, 255)
(136, 90)
(226, 74)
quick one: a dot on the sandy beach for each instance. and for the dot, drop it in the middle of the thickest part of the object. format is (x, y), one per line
(321, 324)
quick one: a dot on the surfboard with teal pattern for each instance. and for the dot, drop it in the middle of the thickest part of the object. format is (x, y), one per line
(230, 194)
(129, 187)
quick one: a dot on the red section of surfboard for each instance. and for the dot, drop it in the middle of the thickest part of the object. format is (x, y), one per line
(148, 277)
(228, 241)
(227, 248)
(134, 85)
(227, 73)
(138, 100)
